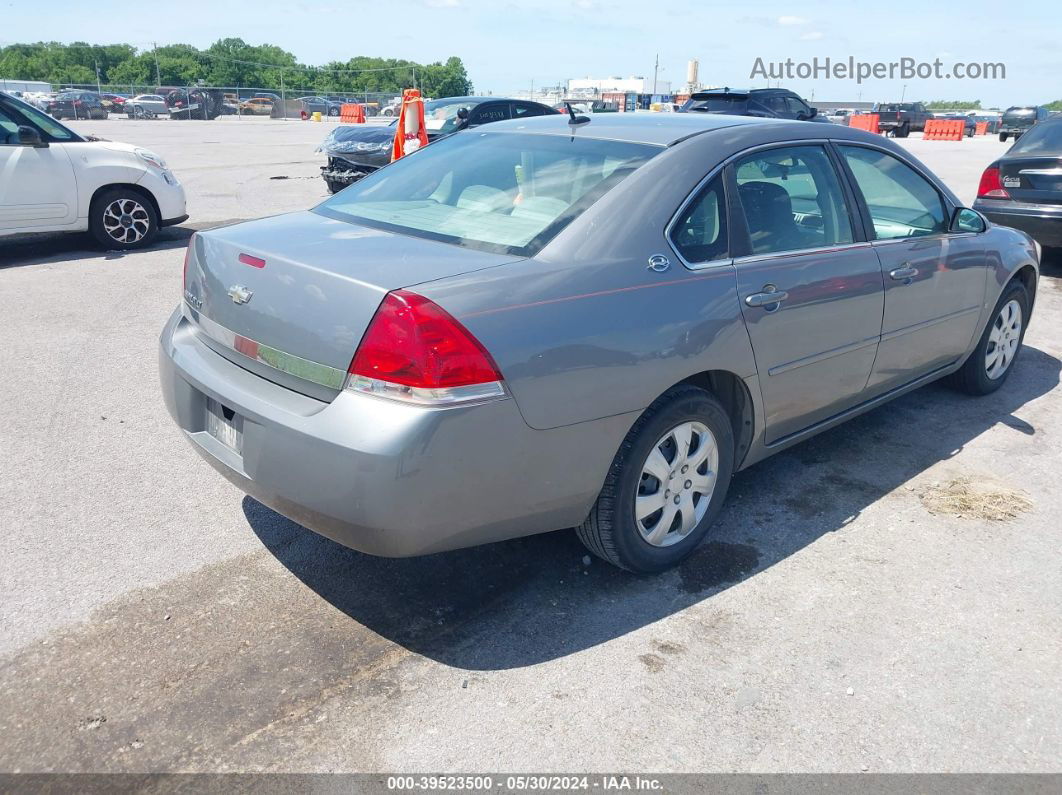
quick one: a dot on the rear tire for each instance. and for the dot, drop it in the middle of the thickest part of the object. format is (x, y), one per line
(614, 532)
(333, 186)
(998, 347)
(1003, 137)
(122, 220)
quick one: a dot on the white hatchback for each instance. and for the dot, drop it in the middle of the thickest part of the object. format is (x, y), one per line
(54, 180)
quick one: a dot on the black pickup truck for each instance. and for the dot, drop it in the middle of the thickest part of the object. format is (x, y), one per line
(901, 118)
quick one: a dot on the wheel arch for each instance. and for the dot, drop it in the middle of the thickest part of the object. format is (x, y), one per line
(1026, 274)
(127, 186)
(732, 391)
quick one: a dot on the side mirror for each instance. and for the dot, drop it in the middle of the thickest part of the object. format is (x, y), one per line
(967, 220)
(814, 113)
(28, 136)
(462, 114)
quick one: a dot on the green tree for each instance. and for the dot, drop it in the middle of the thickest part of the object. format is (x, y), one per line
(947, 104)
(228, 62)
(1056, 105)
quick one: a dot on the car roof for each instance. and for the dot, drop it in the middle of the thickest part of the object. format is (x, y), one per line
(661, 129)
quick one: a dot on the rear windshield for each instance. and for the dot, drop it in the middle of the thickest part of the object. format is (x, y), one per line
(905, 106)
(1019, 113)
(1042, 138)
(509, 193)
(721, 104)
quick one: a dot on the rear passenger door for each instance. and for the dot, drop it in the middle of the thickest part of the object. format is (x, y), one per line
(934, 279)
(810, 287)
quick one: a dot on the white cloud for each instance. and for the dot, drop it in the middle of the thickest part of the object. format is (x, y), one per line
(790, 21)
(442, 3)
(813, 35)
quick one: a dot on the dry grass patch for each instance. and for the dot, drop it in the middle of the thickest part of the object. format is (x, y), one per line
(980, 498)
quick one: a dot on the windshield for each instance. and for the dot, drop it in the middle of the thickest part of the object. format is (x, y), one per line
(501, 192)
(1046, 138)
(440, 115)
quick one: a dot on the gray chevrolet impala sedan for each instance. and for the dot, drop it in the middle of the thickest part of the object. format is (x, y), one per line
(550, 324)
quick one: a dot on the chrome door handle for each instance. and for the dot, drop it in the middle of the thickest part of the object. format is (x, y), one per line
(904, 273)
(766, 298)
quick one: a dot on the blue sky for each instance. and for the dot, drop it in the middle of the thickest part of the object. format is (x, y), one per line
(506, 45)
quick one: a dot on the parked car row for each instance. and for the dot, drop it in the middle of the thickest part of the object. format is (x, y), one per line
(357, 150)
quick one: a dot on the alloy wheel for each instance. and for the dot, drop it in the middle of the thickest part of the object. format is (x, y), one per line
(677, 482)
(1003, 340)
(126, 221)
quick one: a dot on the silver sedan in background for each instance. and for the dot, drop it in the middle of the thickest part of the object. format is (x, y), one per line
(146, 106)
(553, 323)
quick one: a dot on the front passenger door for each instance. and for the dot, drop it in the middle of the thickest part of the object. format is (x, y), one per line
(815, 344)
(37, 187)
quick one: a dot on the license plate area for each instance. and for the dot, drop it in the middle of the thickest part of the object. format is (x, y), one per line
(225, 425)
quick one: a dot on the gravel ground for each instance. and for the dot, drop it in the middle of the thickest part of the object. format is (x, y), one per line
(844, 617)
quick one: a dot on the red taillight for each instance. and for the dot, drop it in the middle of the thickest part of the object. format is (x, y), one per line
(415, 351)
(991, 187)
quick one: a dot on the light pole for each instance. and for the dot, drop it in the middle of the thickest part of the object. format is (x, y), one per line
(904, 92)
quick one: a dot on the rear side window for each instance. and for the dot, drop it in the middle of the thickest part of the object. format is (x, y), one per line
(792, 200)
(901, 202)
(699, 234)
(485, 114)
(522, 109)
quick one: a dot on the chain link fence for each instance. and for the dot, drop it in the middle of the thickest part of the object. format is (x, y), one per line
(207, 102)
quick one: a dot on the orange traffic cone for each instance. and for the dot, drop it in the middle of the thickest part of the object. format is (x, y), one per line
(410, 133)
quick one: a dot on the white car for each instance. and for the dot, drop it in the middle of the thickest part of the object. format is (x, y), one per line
(54, 180)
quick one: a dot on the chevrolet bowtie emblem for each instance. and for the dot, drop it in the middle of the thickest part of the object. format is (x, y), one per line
(239, 294)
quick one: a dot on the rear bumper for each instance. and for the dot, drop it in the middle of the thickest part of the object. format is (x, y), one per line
(1041, 222)
(381, 477)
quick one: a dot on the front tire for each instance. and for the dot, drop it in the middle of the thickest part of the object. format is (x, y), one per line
(666, 484)
(122, 219)
(991, 362)
(333, 111)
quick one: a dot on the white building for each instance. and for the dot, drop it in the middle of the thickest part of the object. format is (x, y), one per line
(25, 86)
(588, 86)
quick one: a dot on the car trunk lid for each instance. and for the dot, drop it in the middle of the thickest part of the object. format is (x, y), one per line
(1032, 179)
(289, 297)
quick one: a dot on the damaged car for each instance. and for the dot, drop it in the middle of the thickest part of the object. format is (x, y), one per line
(354, 151)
